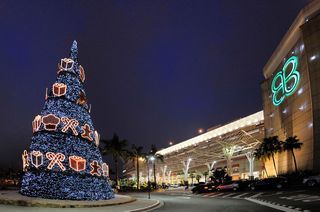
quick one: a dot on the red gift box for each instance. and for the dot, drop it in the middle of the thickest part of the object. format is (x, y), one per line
(77, 163)
(59, 89)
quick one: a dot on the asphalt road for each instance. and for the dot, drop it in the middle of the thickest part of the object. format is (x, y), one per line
(184, 203)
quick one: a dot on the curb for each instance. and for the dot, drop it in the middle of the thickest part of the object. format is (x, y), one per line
(153, 206)
(20, 200)
(270, 205)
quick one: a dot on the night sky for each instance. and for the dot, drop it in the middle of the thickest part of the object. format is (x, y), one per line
(156, 70)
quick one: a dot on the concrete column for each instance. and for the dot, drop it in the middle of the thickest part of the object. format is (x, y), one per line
(210, 166)
(158, 175)
(163, 170)
(228, 152)
(185, 169)
(140, 176)
(169, 176)
(250, 157)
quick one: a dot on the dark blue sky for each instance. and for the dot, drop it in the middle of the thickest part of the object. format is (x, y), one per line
(156, 70)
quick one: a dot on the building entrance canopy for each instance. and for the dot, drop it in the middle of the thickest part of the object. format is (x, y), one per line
(222, 143)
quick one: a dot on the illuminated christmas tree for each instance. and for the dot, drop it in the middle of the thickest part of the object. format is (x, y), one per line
(64, 161)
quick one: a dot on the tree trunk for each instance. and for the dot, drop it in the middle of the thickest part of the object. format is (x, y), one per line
(154, 174)
(295, 162)
(138, 174)
(274, 165)
(265, 169)
(116, 170)
(205, 178)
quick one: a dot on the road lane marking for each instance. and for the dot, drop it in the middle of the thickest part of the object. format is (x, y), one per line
(228, 195)
(312, 199)
(182, 197)
(278, 207)
(256, 195)
(240, 195)
(209, 195)
(216, 195)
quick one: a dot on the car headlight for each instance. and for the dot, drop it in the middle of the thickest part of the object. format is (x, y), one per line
(206, 187)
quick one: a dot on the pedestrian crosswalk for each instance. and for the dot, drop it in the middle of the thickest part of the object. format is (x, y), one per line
(240, 195)
(234, 195)
(286, 200)
(303, 197)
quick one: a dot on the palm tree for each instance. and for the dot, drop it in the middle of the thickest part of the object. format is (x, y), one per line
(117, 148)
(192, 176)
(290, 144)
(198, 177)
(270, 147)
(135, 154)
(205, 174)
(259, 154)
(157, 157)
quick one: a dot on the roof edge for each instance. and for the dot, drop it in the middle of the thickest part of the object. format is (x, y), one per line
(240, 123)
(290, 38)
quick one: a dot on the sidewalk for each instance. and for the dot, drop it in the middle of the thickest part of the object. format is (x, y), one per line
(13, 201)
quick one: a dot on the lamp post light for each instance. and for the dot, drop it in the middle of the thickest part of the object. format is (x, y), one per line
(150, 158)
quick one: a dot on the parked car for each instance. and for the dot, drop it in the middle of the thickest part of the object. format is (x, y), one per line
(274, 182)
(164, 186)
(174, 186)
(312, 180)
(231, 185)
(203, 188)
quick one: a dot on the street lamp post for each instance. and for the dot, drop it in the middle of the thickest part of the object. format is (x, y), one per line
(150, 158)
(148, 181)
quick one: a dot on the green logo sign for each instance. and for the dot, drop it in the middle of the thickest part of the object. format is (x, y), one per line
(286, 81)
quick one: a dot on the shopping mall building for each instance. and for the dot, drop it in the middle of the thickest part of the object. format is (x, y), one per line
(291, 107)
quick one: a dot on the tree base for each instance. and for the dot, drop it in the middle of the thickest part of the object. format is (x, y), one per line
(57, 185)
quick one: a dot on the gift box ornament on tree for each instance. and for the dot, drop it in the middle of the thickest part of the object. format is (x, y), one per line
(59, 89)
(66, 64)
(36, 158)
(77, 163)
(63, 161)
